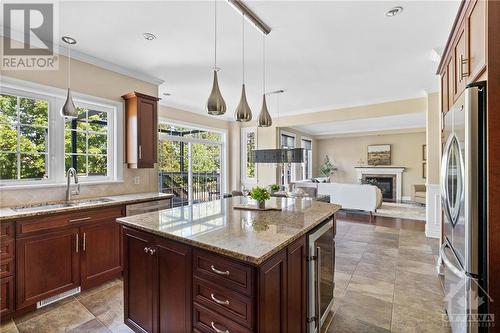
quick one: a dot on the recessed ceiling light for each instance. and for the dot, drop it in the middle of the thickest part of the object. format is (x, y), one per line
(167, 94)
(148, 36)
(394, 11)
(68, 40)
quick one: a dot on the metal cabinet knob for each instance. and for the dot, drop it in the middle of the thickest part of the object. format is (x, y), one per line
(146, 249)
(152, 251)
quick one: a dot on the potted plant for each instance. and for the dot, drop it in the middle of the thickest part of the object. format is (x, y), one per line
(274, 188)
(327, 168)
(260, 195)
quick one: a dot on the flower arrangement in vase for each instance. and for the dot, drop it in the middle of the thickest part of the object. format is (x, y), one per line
(260, 194)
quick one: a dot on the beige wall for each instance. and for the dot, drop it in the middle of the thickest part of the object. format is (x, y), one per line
(433, 138)
(95, 81)
(406, 150)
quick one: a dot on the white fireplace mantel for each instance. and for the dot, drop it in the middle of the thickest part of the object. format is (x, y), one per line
(384, 170)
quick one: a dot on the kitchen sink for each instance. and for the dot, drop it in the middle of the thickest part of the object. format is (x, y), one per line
(85, 202)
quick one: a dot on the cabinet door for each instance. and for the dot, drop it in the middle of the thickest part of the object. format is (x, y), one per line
(47, 264)
(174, 286)
(451, 82)
(461, 63)
(147, 132)
(6, 296)
(297, 287)
(272, 301)
(138, 280)
(101, 253)
(477, 39)
(444, 91)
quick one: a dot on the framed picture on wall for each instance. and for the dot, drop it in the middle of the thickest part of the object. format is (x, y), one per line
(424, 170)
(424, 152)
(379, 155)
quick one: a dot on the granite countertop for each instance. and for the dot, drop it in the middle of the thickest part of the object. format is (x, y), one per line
(250, 236)
(8, 213)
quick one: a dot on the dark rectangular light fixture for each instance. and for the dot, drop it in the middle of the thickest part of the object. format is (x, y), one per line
(295, 155)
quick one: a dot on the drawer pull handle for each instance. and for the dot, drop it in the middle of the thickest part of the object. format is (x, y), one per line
(218, 330)
(216, 271)
(218, 301)
(80, 219)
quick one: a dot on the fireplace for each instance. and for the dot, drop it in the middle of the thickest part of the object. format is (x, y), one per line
(382, 173)
(386, 184)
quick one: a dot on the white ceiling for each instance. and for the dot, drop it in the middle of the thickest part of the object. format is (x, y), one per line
(325, 54)
(409, 121)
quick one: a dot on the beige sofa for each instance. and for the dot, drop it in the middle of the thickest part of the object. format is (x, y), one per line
(419, 193)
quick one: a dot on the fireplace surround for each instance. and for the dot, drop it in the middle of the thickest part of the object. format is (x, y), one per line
(393, 172)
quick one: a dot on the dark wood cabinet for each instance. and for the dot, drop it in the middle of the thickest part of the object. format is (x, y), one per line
(101, 253)
(6, 296)
(297, 286)
(272, 298)
(141, 130)
(138, 279)
(157, 283)
(47, 264)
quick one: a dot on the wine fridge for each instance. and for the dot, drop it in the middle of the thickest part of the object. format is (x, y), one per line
(321, 267)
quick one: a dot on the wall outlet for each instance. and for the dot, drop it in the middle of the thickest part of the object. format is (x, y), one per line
(137, 180)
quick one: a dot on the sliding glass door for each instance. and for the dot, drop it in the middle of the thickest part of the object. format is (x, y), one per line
(190, 163)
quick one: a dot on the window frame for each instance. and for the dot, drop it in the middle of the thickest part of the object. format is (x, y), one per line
(244, 153)
(56, 149)
(285, 166)
(223, 143)
(309, 158)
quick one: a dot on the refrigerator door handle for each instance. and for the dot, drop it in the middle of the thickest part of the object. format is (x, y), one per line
(459, 272)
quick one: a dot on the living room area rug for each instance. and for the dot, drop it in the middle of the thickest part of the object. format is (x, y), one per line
(401, 210)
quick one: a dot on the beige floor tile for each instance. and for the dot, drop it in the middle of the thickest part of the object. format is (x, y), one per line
(416, 319)
(44, 310)
(372, 287)
(93, 325)
(345, 264)
(8, 327)
(106, 305)
(106, 285)
(409, 254)
(361, 306)
(383, 272)
(382, 250)
(346, 324)
(416, 267)
(60, 319)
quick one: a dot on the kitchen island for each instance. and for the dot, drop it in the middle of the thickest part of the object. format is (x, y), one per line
(209, 267)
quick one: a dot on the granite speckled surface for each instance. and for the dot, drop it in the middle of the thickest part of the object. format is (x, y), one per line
(250, 236)
(7, 213)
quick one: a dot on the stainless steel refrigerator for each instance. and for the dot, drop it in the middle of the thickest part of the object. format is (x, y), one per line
(464, 202)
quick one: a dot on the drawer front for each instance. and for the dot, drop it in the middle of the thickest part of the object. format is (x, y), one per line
(50, 222)
(221, 271)
(6, 249)
(223, 301)
(7, 229)
(6, 267)
(205, 320)
(6, 296)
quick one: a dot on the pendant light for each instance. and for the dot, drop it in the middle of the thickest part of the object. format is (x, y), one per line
(243, 112)
(216, 105)
(265, 119)
(69, 110)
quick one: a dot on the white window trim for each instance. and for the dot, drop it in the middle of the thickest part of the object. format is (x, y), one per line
(293, 174)
(223, 144)
(56, 97)
(304, 176)
(244, 153)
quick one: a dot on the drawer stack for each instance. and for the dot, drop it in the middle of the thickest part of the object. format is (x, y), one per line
(223, 294)
(7, 268)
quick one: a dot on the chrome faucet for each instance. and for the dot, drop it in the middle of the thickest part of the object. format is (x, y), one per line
(71, 173)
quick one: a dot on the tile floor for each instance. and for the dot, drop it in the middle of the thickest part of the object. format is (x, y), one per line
(385, 281)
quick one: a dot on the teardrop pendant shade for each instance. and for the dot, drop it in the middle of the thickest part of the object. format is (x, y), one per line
(216, 105)
(69, 110)
(243, 112)
(265, 119)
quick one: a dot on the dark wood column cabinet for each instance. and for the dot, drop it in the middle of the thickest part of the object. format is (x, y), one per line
(141, 130)
(157, 283)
